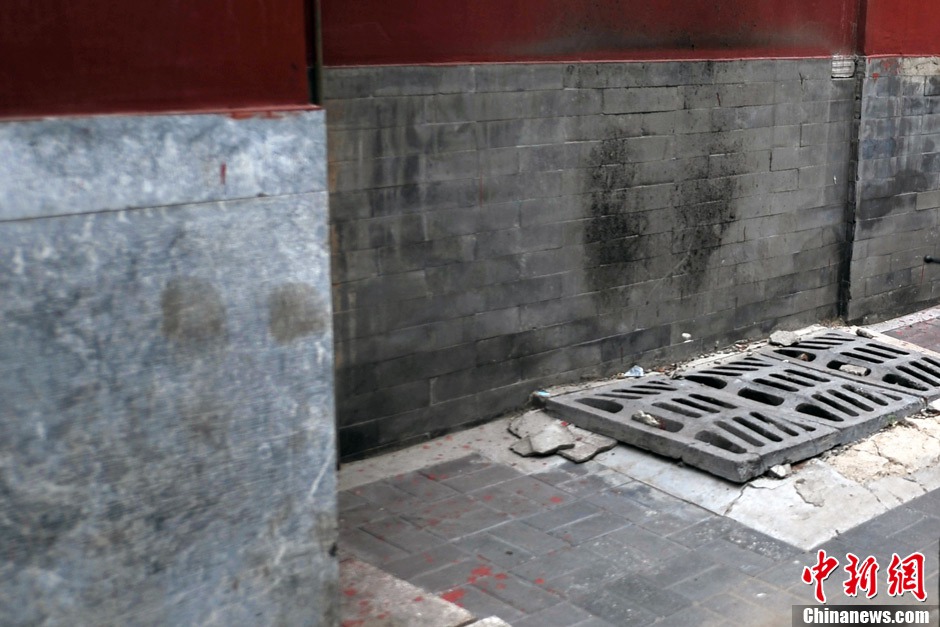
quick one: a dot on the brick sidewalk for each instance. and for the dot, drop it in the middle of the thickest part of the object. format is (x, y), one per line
(583, 545)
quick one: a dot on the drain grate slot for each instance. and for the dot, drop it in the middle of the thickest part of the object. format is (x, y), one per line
(846, 356)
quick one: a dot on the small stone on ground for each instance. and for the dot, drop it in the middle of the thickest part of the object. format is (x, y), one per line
(780, 471)
(784, 338)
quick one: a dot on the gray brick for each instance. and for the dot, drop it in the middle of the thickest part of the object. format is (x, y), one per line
(477, 379)
(561, 615)
(591, 527)
(751, 71)
(378, 112)
(742, 118)
(401, 534)
(484, 478)
(480, 603)
(518, 593)
(548, 313)
(648, 595)
(458, 107)
(494, 550)
(616, 609)
(518, 77)
(367, 547)
(640, 100)
(385, 402)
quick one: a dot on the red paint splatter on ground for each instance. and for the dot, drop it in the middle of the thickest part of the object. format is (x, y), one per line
(353, 623)
(875, 75)
(364, 603)
(466, 446)
(500, 576)
(418, 599)
(425, 446)
(453, 595)
(539, 581)
(500, 586)
(480, 571)
(382, 615)
(222, 170)
(432, 477)
(557, 499)
(450, 437)
(434, 522)
(487, 497)
(350, 592)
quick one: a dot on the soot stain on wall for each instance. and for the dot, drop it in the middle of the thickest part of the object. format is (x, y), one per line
(618, 230)
(614, 233)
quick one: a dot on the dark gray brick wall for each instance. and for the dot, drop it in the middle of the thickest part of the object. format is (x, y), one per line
(501, 228)
(898, 193)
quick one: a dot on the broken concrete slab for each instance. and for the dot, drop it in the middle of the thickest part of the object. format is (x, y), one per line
(781, 471)
(552, 438)
(531, 423)
(808, 507)
(373, 598)
(587, 445)
(784, 338)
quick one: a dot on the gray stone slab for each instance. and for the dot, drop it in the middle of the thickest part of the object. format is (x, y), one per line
(74, 165)
(167, 423)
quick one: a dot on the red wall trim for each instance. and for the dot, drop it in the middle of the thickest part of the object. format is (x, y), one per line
(389, 32)
(903, 28)
(104, 56)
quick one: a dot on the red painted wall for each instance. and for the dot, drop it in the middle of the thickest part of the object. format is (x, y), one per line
(98, 56)
(905, 27)
(369, 32)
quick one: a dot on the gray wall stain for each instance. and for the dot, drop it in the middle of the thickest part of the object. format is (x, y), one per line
(296, 310)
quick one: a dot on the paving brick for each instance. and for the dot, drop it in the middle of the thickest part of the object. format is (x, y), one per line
(494, 550)
(733, 555)
(709, 583)
(556, 563)
(667, 572)
(517, 593)
(640, 591)
(489, 476)
(480, 603)
(419, 485)
(367, 547)
(428, 560)
(561, 615)
(584, 581)
(615, 609)
(588, 528)
(450, 576)
(635, 547)
(526, 537)
(403, 535)
(454, 517)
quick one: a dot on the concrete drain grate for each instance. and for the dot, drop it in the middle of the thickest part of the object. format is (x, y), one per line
(727, 436)
(864, 359)
(855, 408)
(738, 418)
